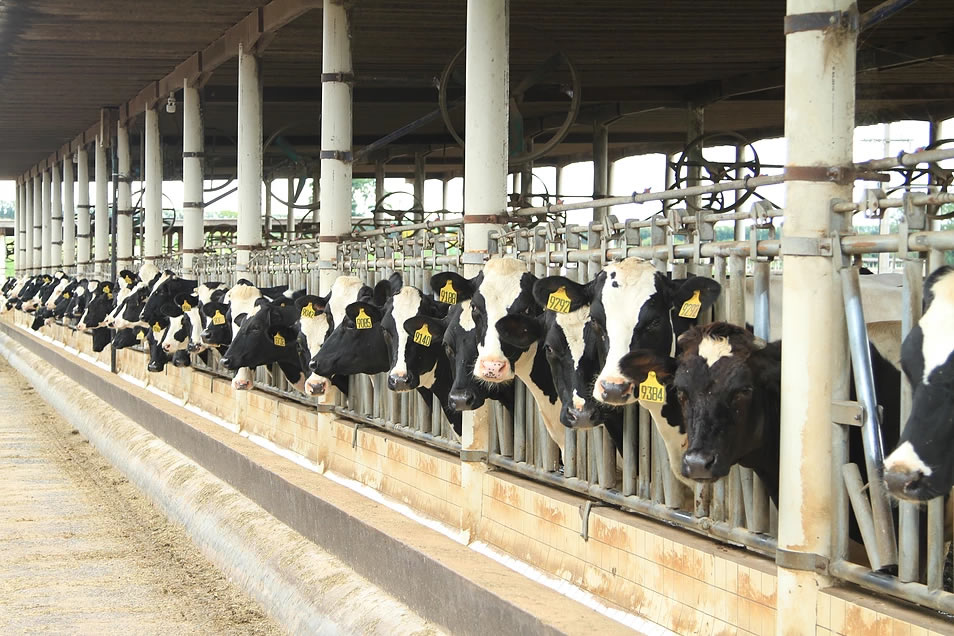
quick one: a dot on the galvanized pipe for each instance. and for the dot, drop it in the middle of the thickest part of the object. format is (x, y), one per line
(887, 553)
(909, 544)
(863, 514)
(920, 594)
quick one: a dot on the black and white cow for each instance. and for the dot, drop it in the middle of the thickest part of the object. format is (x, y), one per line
(498, 340)
(638, 307)
(267, 337)
(922, 465)
(727, 385)
(98, 307)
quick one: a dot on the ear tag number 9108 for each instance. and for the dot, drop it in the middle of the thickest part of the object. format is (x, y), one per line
(651, 390)
(690, 308)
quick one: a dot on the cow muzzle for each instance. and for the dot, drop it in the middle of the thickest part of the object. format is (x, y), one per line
(578, 418)
(400, 382)
(462, 400)
(493, 370)
(614, 390)
(907, 484)
(316, 385)
(699, 465)
(241, 384)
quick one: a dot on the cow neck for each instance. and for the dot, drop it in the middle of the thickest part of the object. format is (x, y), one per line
(545, 396)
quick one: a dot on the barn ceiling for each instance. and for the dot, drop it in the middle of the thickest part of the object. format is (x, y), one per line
(639, 64)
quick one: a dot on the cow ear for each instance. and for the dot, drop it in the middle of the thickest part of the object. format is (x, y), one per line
(697, 289)
(360, 311)
(317, 303)
(519, 331)
(240, 320)
(382, 291)
(415, 327)
(186, 301)
(211, 307)
(560, 294)
(170, 310)
(396, 281)
(637, 365)
(365, 294)
(452, 288)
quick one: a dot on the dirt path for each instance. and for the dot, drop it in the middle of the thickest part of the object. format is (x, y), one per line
(83, 552)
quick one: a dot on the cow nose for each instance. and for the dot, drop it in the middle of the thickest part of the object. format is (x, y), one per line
(315, 386)
(241, 384)
(462, 400)
(614, 390)
(698, 465)
(154, 366)
(226, 362)
(578, 418)
(488, 369)
(399, 382)
(903, 483)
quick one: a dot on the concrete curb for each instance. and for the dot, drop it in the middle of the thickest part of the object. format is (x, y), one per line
(304, 588)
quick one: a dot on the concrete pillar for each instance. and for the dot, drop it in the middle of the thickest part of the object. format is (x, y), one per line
(27, 226)
(46, 230)
(37, 223)
(485, 196)
(193, 146)
(124, 238)
(101, 219)
(152, 243)
(600, 167)
(56, 217)
(18, 235)
(820, 97)
(69, 215)
(336, 71)
(83, 234)
(249, 230)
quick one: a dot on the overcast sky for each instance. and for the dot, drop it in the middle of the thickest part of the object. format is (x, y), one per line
(631, 174)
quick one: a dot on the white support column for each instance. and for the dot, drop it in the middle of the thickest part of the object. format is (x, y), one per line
(249, 231)
(56, 217)
(83, 233)
(819, 97)
(485, 193)
(17, 237)
(69, 215)
(46, 230)
(37, 223)
(193, 145)
(152, 243)
(124, 238)
(335, 137)
(26, 226)
(101, 222)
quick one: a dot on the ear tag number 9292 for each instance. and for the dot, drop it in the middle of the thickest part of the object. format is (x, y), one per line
(690, 308)
(651, 390)
(559, 301)
(362, 320)
(423, 336)
(448, 293)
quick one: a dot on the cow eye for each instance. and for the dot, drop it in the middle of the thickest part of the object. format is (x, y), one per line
(547, 349)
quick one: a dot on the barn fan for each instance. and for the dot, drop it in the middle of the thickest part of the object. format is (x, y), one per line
(712, 171)
(519, 154)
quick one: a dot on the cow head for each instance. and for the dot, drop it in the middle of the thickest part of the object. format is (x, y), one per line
(218, 327)
(100, 304)
(921, 467)
(266, 336)
(727, 384)
(128, 337)
(413, 352)
(178, 335)
(356, 345)
(638, 307)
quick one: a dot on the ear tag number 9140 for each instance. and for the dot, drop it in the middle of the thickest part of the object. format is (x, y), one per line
(423, 336)
(362, 320)
(690, 308)
(651, 390)
(559, 301)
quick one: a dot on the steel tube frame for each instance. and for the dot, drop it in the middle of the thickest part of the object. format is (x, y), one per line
(83, 234)
(193, 145)
(123, 198)
(152, 239)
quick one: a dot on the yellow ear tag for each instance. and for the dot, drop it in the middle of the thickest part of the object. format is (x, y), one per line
(105, 289)
(690, 308)
(186, 306)
(156, 328)
(651, 390)
(127, 279)
(109, 296)
(423, 336)
(218, 318)
(278, 340)
(448, 293)
(141, 336)
(362, 320)
(66, 294)
(308, 311)
(559, 301)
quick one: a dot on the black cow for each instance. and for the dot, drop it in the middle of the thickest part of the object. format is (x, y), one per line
(728, 387)
(266, 337)
(100, 304)
(922, 466)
